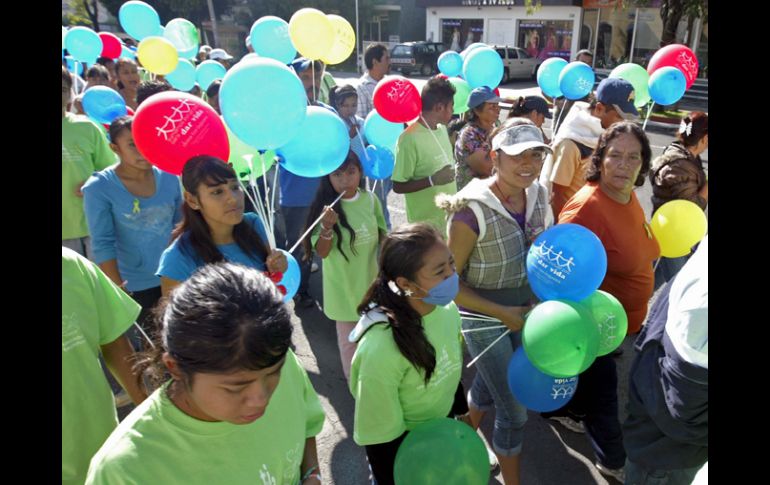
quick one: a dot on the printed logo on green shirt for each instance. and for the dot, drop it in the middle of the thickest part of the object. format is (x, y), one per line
(71, 336)
(266, 477)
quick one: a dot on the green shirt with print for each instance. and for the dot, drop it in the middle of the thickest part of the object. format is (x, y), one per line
(420, 153)
(94, 312)
(390, 393)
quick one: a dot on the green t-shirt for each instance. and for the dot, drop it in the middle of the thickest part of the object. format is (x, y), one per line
(345, 282)
(390, 392)
(84, 150)
(419, 156)
(94, 312)
(158, 443)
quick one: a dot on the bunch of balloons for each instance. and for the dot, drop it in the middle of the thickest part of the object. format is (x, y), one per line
(479, 65)
(574, 80)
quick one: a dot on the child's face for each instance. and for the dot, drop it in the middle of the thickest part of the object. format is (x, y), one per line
(128, 74)
(220, 205)
(438, 265)
(349, 107)
(346, 179)
(98, 81)
(124, 146)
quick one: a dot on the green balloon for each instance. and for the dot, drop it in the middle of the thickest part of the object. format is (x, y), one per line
(560, 338)
(441, 452)
(638, 77)
(611, 320)
(462, 91)
(246, 160)
(182, 34)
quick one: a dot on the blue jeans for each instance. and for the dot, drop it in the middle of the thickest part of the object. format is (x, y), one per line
(381, 191)
(490, 385)
(668, 268)
(637, 475)
(295, 219)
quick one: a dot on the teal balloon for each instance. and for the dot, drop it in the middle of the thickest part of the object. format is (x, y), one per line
(381, 132)
(270, 38)
(103, 104)
(667, 85)
(139, 20)
(378, 162)
(183, 35)
(483, 67)
(450, 63)
(209, 71)
(576, 81)
(548, 76)
(470, 48)
(291, 277)
(83, 44)
(127, 53)
(183, 77)
(320, 145)
(72, 65)
(263, 102)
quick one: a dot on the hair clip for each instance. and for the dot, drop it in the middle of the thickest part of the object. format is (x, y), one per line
(685, 127)
(394, 288)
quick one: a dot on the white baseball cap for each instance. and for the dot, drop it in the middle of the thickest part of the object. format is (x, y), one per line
(518, 139)
(219, 54)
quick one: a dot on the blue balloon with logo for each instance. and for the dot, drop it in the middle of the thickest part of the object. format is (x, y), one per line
(548, 76)
(450, 63)
(72, 65)
(183, 76)
(270, 38)
(536, 390)
(139, 20)
(103, 104)
(291, 277)
(566, 262)
(209, 71)
(483, 67)
(378, 162)
(667, 85)
(320, 145)
(83, 44)
(381, 132)
(576, 81)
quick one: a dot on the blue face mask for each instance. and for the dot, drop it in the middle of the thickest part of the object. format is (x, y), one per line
(444, 292)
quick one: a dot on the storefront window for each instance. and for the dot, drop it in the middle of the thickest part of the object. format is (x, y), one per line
(703, 52)
(460, 33)
(616, 29)
(546, 38)
(588, 29)
(649, 29)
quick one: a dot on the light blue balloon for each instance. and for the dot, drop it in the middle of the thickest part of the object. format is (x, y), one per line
(188, 54)
(250, 56)
(536, 390)
(209, 71)
(320, 145)
(139, 20)
(183, 77)
(83, 44)
(127, 53)
(470, 48)
(450, 63)
(667, 85)
(576, 81)
(263, 102)
(548, 76)
(381, 132)
(291, 277)
(72, 65)
(483, 67)
(378, 162)
(270, 38)
(63, 34)
(103, 104)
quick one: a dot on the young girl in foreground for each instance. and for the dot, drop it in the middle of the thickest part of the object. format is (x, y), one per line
(408, 364)
(238, 408)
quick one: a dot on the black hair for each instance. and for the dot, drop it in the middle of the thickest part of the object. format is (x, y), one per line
(226, 317)
(699, 127)
(594, 171)
(519, 108)
(213, 89)
(119, 124)
(338, 94)
(120, 62)
(402, 255)
(195, 237)
(97, 70)
(325, 196)
(148, 88)
(436, 91)
(105, 61)
(374, 51)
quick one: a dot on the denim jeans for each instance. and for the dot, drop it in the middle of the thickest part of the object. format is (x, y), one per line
(668, 268)
(81, 245)
(295, 219)
(637, 475)
(381, 191)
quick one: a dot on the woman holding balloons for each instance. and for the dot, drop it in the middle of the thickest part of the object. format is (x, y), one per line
(607, 205)
(492, 225)
(214, 227)
(677, 174)
(128, 80)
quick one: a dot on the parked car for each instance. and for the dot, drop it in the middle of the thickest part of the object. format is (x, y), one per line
(422, 57)
(517, 63)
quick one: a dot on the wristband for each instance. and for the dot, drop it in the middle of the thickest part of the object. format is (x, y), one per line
(312, 472)
(326, 237)
(430, 180)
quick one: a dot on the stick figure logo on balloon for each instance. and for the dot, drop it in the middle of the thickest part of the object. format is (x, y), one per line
(566, 390)
(547, 252)
(688, 63)
(181, 110)
(584, 84)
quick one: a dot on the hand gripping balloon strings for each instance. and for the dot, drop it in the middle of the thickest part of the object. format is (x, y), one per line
(649, 112)
(317, 221)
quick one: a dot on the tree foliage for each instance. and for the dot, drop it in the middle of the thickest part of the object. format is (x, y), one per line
(196, 11)
(672, 12)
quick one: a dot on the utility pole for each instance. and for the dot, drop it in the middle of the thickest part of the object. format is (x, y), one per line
(358, 43)
(213, 23)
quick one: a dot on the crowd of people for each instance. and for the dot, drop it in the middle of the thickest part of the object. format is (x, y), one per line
(220, 396)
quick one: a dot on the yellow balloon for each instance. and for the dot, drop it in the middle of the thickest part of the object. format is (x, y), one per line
(157, 55)
(344, 41)
(678, 225)
(311, 32)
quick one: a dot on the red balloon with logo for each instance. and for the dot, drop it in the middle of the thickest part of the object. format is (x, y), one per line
(110, 45)
(397, 100)
(172, 127)
(678, 56)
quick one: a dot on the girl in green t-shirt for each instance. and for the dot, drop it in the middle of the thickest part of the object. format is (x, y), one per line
(407, 367)
(347, 241)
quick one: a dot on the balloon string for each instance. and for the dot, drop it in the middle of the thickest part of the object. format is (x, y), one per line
(374, 185)
(478, 316)
(558, 120)
(144, 334)
(656, 264)
(275, 181)
(488, 347)
(257, 203)
(494, 327)
(435, 138)
(355, 125)
(317, 221)
(268, 209)
(649, 112)
(312, 68)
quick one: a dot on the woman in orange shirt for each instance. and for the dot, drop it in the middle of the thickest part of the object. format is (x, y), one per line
(608, 206)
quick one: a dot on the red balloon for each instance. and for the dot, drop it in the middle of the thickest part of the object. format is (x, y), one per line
(172, 127)
(442, 76)
(397, 100)
(678, 56)
(130, 112)
(111, 45)
(497, 92)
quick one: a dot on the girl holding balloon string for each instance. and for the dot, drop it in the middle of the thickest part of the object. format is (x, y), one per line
(347, 241)
(214, 227)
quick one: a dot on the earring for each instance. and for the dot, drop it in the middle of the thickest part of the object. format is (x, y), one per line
(408, 292)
